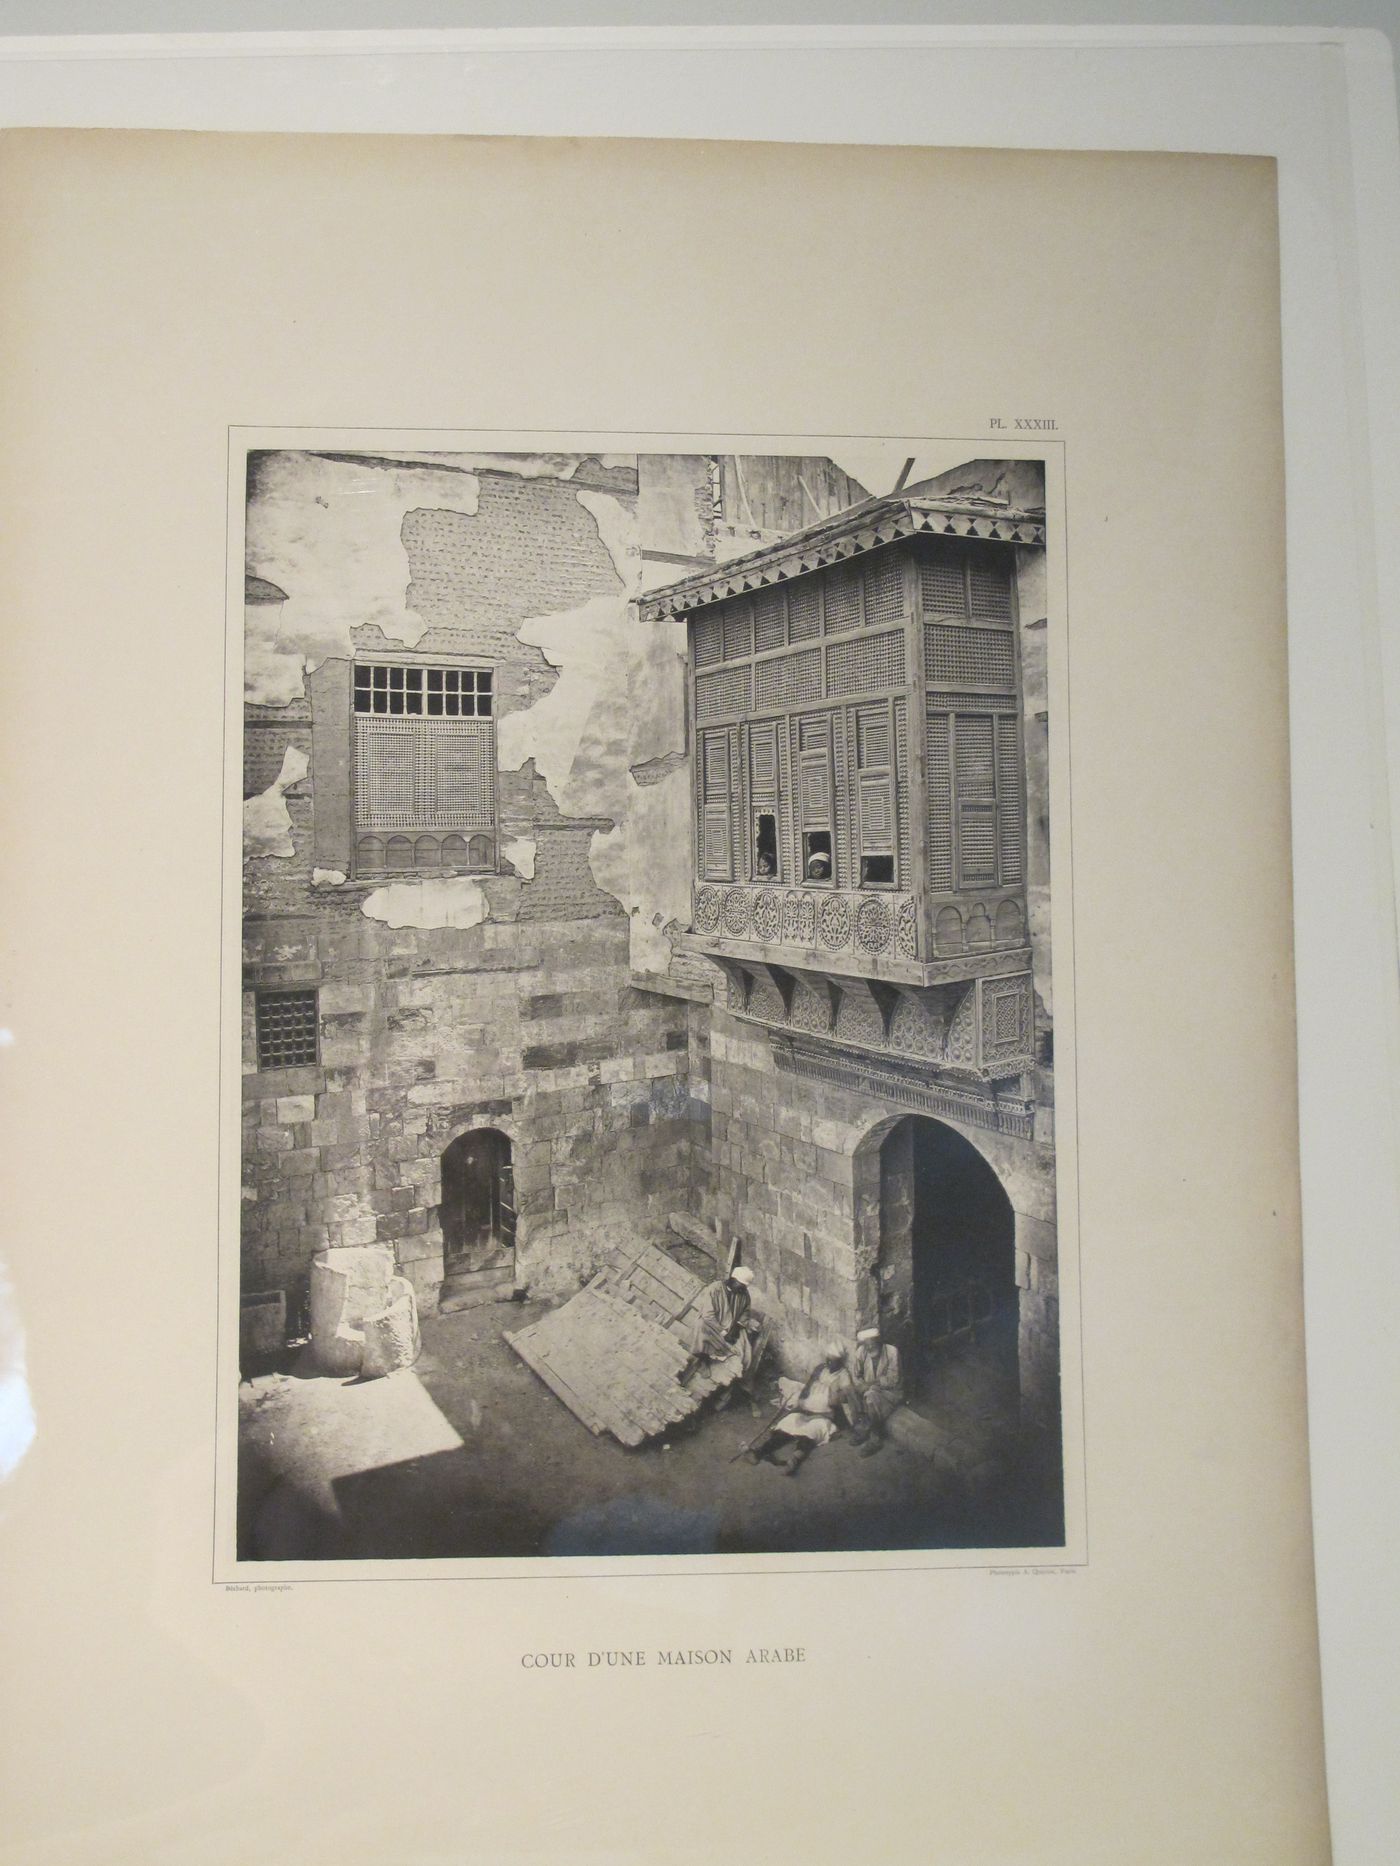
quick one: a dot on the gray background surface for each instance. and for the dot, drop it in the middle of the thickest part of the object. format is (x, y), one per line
(108, 17)
(119, 16)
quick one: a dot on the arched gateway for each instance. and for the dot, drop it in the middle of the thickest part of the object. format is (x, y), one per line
(946, 1267)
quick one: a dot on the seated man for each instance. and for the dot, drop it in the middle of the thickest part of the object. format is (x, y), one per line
(878, 1389)
(718, 1323)
(814, 1406)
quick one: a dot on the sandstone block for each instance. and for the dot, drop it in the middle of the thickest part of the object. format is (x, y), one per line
(296, 1108)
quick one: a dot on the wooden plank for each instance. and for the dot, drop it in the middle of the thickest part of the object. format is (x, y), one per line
(537, 1364)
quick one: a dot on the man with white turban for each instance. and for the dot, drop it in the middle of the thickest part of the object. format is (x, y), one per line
(878, 1389)
(717, 1323)
(812, 1419)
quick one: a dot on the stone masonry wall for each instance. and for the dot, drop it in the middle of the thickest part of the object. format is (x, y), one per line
(534, 1031)
(794, 1168)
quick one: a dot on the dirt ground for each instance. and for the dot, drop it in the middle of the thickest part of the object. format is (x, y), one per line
(468, 1454)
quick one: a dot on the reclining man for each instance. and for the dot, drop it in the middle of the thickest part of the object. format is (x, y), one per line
(815, 1406)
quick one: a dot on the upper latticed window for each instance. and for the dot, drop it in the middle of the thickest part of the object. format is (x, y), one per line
(432, 692)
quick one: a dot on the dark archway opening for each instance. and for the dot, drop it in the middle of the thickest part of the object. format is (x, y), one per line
(948, 1270)
(478, 1203)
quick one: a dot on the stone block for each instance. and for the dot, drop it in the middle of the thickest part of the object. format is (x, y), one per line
(391, 1338)
(296, 1108)
(274, 1139)
(358, 1231)
(347, 1285)
(262, 1324)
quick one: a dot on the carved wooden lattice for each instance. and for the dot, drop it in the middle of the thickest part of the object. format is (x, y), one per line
(769, 620)
(804, 610)
(738, 630)
(884, 591)
(791, 681)
(974, 657)
(723, 693)
(842, 601)
(866, 664)
(942, 587)
(424, 773)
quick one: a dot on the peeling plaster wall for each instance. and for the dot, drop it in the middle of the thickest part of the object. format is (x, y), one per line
(267, 822)
(445, 1003)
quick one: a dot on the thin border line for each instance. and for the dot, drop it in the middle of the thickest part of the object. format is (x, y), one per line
(269, 1569)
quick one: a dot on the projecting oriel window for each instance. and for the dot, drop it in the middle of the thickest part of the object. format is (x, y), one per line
(430, 692)
(287, 1026)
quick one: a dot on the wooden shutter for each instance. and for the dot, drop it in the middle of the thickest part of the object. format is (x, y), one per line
(738, 815)
(763, 765)
(875, 820)
(901, 793)
(716, 835)
(940, 802)
(876, 813)
(385, 774)
(459, 776)
(1010, 828)
(816, 790)
(974, 784)
(816, 787)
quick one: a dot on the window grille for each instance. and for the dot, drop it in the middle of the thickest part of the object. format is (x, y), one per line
(287, 1029)
(989, 590)
(724, 692)
(769, 621)
(415, 774)
(430, 692)
(866, 664)
(943, 587)
(842, 601)
(738, 631)
(973, 657)
(709, 640)
(884, 591)
(792, 681)
(804, 610)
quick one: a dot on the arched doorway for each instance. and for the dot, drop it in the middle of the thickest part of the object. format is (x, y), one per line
(478, 1203)
(948, 1266)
